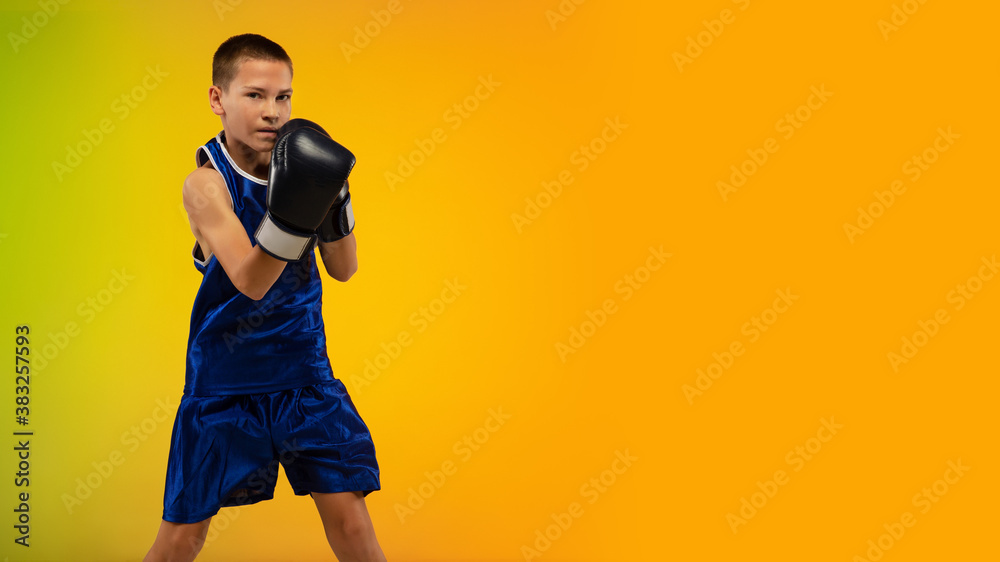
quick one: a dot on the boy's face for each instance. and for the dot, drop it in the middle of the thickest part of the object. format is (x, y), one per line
(256, 104)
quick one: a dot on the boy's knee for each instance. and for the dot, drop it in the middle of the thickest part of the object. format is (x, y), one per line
(193, 543)
(347, 528)
(353, 528)
(183, 547)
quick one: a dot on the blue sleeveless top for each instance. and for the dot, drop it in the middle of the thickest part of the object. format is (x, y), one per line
(241, 346)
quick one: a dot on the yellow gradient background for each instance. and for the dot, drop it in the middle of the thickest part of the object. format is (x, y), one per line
(96, 261)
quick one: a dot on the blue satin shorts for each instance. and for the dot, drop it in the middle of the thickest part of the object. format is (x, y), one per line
(225, 450)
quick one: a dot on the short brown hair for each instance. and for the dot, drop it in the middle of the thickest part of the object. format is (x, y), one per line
(240, 48)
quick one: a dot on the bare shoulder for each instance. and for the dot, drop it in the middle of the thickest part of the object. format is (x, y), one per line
(203, 177)
(203, 187)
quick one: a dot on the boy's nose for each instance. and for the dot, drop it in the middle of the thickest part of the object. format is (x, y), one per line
(271, 110)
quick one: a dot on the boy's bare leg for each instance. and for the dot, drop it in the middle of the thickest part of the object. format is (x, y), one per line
(348, 527)
(178, 541)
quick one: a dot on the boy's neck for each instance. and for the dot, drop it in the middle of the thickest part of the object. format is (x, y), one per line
(248, 159)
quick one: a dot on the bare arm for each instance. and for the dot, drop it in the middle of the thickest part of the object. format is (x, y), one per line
(220, 232)
(340, 257)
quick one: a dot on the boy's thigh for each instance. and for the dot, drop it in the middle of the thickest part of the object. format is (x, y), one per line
(322, 442)
(340, 507)
(183, 533)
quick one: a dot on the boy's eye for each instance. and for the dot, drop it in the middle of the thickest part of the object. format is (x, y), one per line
(255, 95)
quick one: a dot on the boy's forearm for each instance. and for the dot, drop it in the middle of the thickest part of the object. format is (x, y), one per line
(256, 273)
(340, 257)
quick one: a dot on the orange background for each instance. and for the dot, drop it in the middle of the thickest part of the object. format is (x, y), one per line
(533, 282)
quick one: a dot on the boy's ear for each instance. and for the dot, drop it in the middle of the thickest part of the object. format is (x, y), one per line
(215, 100)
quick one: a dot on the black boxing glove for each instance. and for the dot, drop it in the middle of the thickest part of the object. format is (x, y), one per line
(307, 174)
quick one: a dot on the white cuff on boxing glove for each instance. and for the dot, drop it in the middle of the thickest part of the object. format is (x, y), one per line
(280, 242)
(349, 215)
(339, 222)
